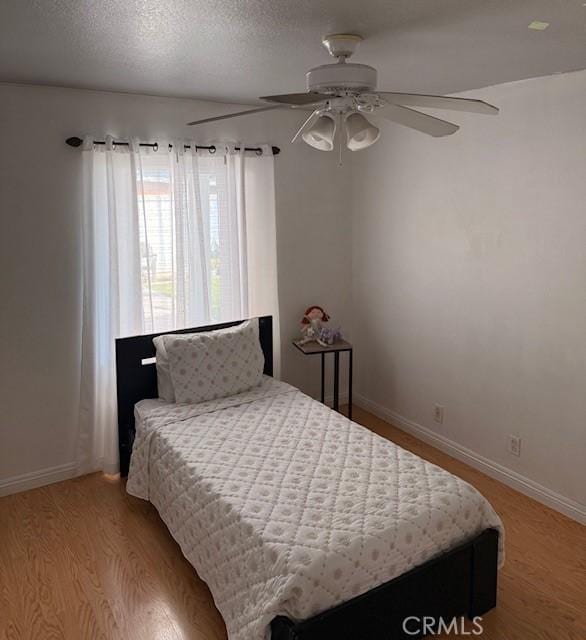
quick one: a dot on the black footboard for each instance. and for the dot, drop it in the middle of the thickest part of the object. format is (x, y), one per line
(462, 582)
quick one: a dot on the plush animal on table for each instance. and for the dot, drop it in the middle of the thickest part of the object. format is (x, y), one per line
(311, 324)
(328, 336)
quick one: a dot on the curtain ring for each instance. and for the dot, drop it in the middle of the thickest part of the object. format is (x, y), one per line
(156, 146)
(212, 149)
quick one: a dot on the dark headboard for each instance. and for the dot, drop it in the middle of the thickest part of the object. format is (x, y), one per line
(136, 381)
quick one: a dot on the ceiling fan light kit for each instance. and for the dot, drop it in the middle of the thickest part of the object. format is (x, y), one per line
(321, 134)
(342, 92)
(360, 133)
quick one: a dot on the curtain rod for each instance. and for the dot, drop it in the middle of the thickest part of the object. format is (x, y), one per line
(77, 142)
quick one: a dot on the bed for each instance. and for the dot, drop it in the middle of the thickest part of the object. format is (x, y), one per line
(303, 524)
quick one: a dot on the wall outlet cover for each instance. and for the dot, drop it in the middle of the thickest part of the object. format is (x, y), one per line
(515, 445)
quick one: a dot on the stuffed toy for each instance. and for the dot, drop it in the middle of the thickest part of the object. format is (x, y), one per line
(328, 336)
(312, 324)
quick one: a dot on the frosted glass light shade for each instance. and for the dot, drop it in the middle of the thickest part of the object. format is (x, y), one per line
(321, 134)
(360, 132)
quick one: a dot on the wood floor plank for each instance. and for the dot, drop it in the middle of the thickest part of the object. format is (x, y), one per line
(83, 559)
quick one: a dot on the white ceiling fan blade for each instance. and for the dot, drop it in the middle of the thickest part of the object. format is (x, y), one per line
(438, 102)
(307, 124)
(235, 114)
(416, 120)
(298, 99)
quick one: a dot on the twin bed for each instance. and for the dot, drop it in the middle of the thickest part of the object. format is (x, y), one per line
(304, 525)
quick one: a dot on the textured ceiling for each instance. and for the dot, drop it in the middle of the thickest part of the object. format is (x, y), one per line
(236, 50)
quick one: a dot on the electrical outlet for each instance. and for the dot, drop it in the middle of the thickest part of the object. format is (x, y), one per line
(438, 413)
(515, 445)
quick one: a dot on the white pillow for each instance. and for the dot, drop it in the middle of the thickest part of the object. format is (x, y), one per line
(215, 364)
(164, 382)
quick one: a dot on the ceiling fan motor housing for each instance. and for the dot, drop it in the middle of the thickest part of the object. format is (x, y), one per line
(341, 77)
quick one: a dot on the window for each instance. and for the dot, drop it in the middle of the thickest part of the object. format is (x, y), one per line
(191, 242)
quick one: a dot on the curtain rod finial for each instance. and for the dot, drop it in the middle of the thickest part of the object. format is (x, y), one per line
(74, 141)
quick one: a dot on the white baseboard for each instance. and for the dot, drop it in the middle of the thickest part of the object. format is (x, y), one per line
(529, 487)
(35, 479)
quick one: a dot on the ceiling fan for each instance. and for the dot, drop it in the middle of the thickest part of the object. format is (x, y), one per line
(339, 94)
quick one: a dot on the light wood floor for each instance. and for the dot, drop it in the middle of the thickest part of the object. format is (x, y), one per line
(82, 560)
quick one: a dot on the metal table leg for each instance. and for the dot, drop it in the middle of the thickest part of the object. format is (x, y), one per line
(323, 377)
(336, 381)
(350, 385)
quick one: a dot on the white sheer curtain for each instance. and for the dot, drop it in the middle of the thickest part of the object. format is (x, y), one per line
(172, 238)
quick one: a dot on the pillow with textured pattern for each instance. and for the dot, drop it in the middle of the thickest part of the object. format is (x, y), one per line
(164, 382)
(215, 364)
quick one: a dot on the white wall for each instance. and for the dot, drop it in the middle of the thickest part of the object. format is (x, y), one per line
(469, 282)
(40, 196)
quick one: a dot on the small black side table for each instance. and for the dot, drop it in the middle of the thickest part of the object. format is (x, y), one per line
(313, 348)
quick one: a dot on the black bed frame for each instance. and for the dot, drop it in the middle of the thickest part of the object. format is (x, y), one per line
(460, 582)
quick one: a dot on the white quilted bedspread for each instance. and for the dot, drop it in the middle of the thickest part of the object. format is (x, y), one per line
(285, 507)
